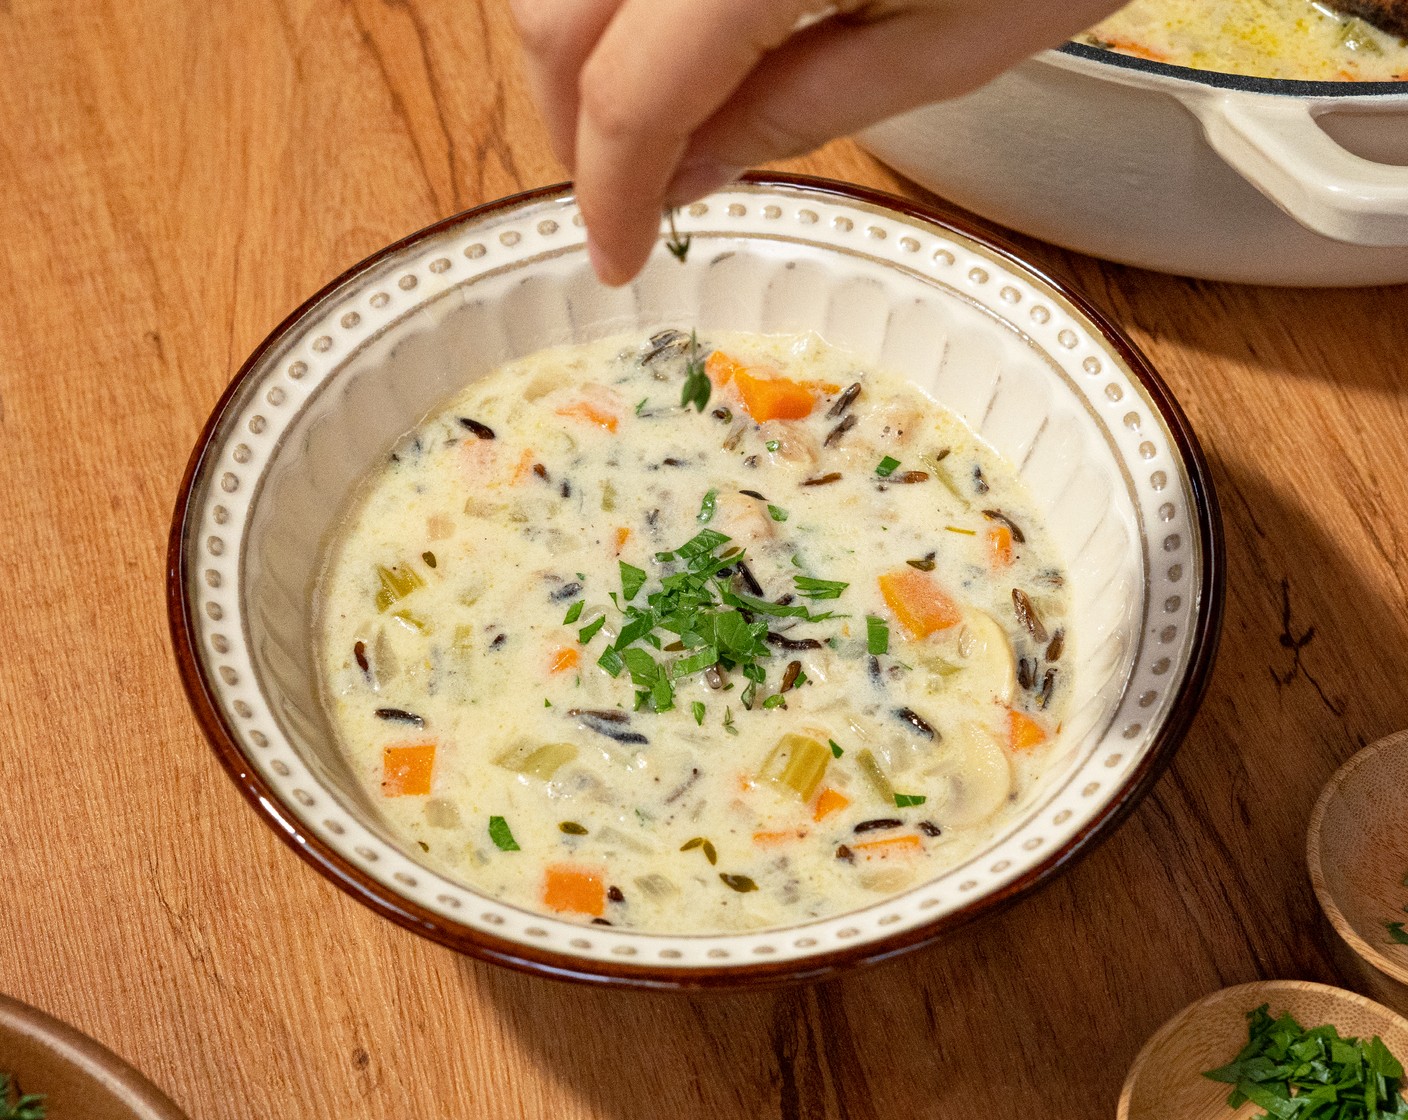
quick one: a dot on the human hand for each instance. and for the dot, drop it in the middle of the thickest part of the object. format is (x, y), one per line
(654, 103)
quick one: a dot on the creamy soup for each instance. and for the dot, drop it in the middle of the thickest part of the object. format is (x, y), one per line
(765, 656)
(1299, 39)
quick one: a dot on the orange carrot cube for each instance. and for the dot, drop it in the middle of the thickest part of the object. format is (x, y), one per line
(918, 602)
(829, 801)
(1023, 732)
(406, 770)
(576, 890)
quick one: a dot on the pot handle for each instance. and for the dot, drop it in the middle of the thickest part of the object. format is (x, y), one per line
(1277, 146)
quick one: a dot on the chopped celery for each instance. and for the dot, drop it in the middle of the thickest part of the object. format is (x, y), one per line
(797, 762)
(412, 621)
(396, 582)
(608, 496)
(875, 777)
(538, 760)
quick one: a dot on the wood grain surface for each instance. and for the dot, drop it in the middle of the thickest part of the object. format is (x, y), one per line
(174, 178)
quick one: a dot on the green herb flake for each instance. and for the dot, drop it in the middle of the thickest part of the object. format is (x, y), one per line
(886, 467)
(772, 445)
(678, 246)
(836, 751)
(964, 532)
(777, 513)
(706, 507)
(819, 588)
(877, 636)
(1299, 1074)
(632, 580)
(501, 835)
(574, 612)
(776, 700)
(728, 721)
(698, 709)
(641, 404)
(909, 800)
(546, 702)
(588, 632)
(697, 385)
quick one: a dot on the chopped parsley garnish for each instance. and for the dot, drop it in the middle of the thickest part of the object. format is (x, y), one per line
(772, 445)
(777, 513)
(640, 404)
(588, 632)
(776, 700)
(877, 636)
(836, 751)
(728, 721)
(678, 246)
(908, 800)
(887, 467)
(574, 612)
(27, 1106)
(697, 385)
(501, 835)
(698, 709)
(819, 588)
(698, 615)
(632, 580)
(1299, 1074)
(706, 507)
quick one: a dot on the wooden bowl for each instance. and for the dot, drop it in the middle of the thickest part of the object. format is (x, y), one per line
(1167, 1079)
(1357, 851)
(79, 1079)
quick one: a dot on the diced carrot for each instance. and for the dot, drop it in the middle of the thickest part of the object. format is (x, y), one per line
(1131, 46)
(773, 398)
(1023, 732)
(999, 546)
(829, 801)
(406, 770)
(563, 659)
(907, 844)
(721, 368)
(917, 600)
(578, 890)
(623, 534)
(525, 465)
(591, 414)
(767, 839)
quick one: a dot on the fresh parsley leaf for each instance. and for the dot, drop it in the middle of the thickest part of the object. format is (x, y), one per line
(777, 513)
(611, 661)
(819, 588)
(706, 508)
(701, 544)
(728, 721)
(776, 700)
(574, 612)
(698, 709)
(772, 445)
(886, 467)
(501, 835)
(588, 632)
(836, 751)
(678, 246)
(697, 385)
(877, 636)
(907, 800)
(632, 580)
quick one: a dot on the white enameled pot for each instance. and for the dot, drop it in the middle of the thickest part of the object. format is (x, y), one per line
(1201, 174)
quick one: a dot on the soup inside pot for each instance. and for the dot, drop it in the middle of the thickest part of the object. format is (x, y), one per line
(1296, 39)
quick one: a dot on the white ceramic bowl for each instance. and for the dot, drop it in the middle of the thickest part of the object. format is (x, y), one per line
(1256, 180)
(1102, 446)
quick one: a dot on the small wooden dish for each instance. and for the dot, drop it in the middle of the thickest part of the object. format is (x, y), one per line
(79, 1079)
(1357, 851)
(1167, 1079)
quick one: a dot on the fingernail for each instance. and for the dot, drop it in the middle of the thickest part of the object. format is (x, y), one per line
(606, 271)
(695, 180)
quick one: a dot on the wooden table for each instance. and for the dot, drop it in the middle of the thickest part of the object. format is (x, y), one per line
(175, 176)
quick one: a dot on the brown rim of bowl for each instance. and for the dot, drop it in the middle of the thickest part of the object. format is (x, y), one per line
(486, 946)
(110, 1077)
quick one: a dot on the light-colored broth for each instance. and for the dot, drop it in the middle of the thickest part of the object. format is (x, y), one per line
(1297, 39)
(547, 504)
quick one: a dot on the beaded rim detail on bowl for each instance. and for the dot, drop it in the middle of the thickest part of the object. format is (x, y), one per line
(220, 483)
